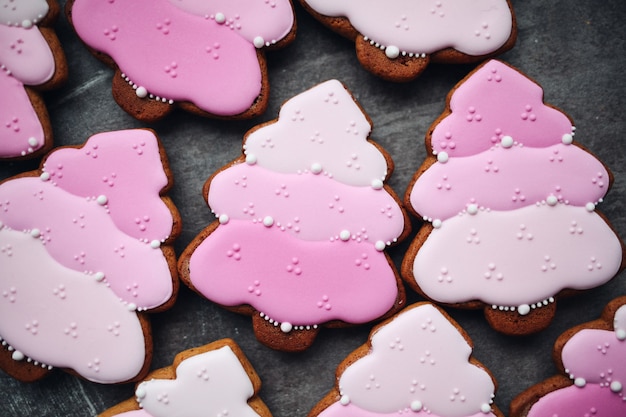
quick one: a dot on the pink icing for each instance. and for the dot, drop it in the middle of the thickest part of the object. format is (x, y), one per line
(295, 201)
(594, 359)
(206, 384)
(269, 20)
(25, 58)
(271, 218)
(103, 167)
(404, 371)
(510, 258)
(513, 196)
(474, 28)
(293, 280)
(79, 231)
(575, 402)
(350, 410)
(173, 54)
(565, 172)
(497, 101)
(326, 127)
(20, 130)
(57, 317)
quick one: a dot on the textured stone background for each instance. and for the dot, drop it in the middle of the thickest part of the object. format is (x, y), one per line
(573, 48)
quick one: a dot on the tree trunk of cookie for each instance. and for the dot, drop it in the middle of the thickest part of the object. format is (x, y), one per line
(399, 69)
(272, 336)
(22, 370)
(512, 323)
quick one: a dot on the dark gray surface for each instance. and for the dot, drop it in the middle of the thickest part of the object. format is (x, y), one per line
(573, 48)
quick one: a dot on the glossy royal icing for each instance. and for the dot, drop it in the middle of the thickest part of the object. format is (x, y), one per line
(403, 371)
(187, 51)
(25, 59)
(512, 194)
(74, 215)
(594, 360)
(424, 27)
(304, 219)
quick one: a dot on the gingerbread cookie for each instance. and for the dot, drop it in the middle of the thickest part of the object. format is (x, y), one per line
(420, 362)
(31, 61)
(85, 244)
(303, 220)
(396, 40)
(212, 380)
(590, 358)
(206, 57)
(509, 204)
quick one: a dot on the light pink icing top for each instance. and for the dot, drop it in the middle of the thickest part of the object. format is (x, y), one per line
(318, 224)
(79, 227)
(472, 27)
(25, 58)
(174, 54)
(213, 383)
(512, 194)
(58, 317)
(270, 21)
(594, 359)
(418, 362)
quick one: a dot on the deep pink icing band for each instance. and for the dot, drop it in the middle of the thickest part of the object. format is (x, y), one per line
(507, 179)
(291, 280)
(592, 400)
(173, 54)
(296, 202)
(497, 101)
(61, 318)
(20, 130)
(517, 257)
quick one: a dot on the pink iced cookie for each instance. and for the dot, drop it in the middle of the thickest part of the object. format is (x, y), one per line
(66, 220)
(397, 39)
(419, 362)
(30, 59)
(303, 219)
(591, 357)
(205, 56)
(211, 380)
(507, 192)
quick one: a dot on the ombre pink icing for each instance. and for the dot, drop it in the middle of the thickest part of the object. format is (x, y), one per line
(418, 363)
(292, 280)
(566, 173)
(496, 101)
(174, 54)
(20, 130)
(102, 168)
(58, 317)
(511, 194)
(269, 20)
(594, 359)
(25, 58)
(206, 384)
(79, 226)
(472, 27)
(296, 202)
(302, 235)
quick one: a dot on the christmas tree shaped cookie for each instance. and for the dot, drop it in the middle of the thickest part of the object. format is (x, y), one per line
(303, 221)
(592, 356)
(85, 249)
(418, 363)
(509, 204)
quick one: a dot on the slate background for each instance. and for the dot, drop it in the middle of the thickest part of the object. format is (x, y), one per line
(573, 48)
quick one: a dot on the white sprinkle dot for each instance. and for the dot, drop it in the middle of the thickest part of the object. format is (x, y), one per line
(345, 400)
(141, 92)
(155, 244)
(472, 209)
(437, 223)
(590, 207)
(616, 386)
(552, 200)
(580, 382)
(220, 18)
(567, 139)
(442, 157)
(33, 141)
(392, 52)
(485, 408)
(98, 276)
(523, 309)
(620, 334)
(316, 168)
(251, 159)
(380, 245)
(506, 142)
(344, 235)
(102, 200)
(268, 221)
(35, 233)
(286, 327)
(223, 219)
(27, 24)
(377, 184)
(45, 176)
(17, 356)
(259, 42)
(416, 405)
